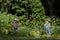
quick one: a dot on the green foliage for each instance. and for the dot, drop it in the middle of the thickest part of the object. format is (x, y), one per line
(24, 31)
(6, 22)
(55, 26)
(37, 17)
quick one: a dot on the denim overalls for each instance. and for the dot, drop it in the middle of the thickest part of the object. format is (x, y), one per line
(47, 27)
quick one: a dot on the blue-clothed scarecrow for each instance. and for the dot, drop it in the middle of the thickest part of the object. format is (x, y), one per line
(47, 26)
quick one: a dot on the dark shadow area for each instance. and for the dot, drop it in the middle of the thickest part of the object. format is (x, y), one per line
(45, 4)
(27, 8)
(56, 8)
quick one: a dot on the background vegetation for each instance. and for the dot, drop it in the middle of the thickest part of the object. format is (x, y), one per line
(31, 16)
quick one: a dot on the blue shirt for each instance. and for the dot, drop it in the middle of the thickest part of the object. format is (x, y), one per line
(47, 25)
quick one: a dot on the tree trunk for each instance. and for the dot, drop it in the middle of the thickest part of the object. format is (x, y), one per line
(50, 4)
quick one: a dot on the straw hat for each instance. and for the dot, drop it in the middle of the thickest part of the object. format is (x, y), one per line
(49, 20)
(15, 19)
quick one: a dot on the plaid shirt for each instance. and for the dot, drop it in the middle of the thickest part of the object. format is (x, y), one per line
(15, 24)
